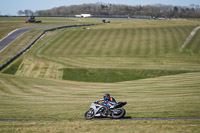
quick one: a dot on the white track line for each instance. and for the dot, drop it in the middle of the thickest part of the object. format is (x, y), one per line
(6, 37)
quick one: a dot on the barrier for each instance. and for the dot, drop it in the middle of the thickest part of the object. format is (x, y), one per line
(29, 46)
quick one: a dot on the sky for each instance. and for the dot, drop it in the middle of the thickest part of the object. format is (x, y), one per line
(11, 7)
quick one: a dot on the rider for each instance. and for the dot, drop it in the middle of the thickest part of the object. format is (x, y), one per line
(108, 101)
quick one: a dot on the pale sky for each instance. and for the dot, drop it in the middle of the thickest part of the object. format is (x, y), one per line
(11, 7)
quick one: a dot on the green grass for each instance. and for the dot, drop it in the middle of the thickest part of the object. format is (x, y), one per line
(194, 45)
(114, 75)
(13, 68)
(119, 45)
(116, 42)
(146, 48)
(167, 96)
(162, 97)
(175, 126)
(134, 47)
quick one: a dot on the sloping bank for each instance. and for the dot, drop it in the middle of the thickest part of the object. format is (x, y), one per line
(27, 48)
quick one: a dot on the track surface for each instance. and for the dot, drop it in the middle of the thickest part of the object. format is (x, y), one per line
(16, 33)
(126, 118)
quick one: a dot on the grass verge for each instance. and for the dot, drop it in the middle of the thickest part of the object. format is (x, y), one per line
(170, 126)
(13, 68)
(114, 75)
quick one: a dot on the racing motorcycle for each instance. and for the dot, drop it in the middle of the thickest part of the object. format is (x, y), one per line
(100, 110)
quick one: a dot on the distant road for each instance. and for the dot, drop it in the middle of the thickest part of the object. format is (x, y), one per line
(16, 33)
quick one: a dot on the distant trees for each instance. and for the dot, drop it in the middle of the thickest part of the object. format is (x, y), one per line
(166, 11)
(20, 12)
(26, 12)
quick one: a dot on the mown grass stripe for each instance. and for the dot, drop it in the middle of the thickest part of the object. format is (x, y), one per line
(157, 41)
(74, 43)
(87, 45)
(166, 40)
(82, 42)
(69, 42)
(126, 39)
(182, 33)
(197, 48)
(93, 43)
(5, 89)
(136, 41)
(101, 45)
(139, 41)
(145, 40)
(154, 38)
(195, 42)
(87, 42)
(62, 42)
(162, 41)
(187, 30)
(18, 84)
(40, 47)
(108, 44)
(100, 36)
(116, 41)
(152, 42)
(180, 36)
(68, 37)
(174, 43)
(131, 37)
(56, 39)
(122, 42)
(148, 42)
(107, 51)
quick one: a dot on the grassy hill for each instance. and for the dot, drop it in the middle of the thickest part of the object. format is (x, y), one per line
(154, 75)
(145, 47)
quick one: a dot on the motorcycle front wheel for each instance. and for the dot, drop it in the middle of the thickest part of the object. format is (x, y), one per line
(118, 113)
(89, 114)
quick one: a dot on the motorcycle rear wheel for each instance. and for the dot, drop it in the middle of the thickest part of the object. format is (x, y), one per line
(118, 113)
(89, 114)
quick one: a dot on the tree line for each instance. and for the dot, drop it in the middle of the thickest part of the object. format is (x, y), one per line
(165, 11)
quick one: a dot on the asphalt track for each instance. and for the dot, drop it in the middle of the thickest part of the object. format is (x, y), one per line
(16, 33)
(126, 118)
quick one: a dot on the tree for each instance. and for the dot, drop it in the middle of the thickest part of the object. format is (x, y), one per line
(111, 9)
(20, 12)
(28, 12)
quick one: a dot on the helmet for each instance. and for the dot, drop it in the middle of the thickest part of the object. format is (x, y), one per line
(106, 96)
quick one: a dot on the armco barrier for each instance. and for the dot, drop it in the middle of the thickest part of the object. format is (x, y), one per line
(23, 51)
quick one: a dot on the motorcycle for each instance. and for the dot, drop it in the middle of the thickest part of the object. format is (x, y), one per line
(100, 110)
